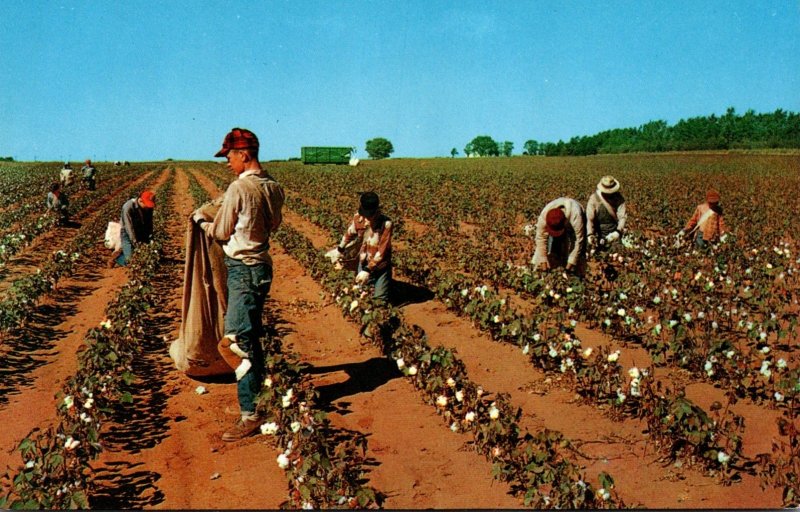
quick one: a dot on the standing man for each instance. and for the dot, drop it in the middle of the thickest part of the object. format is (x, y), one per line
(66, 175)
(137, 224)
(605, 213)
(250, 213)
(560, 236)
(89, 173)
(707, 224)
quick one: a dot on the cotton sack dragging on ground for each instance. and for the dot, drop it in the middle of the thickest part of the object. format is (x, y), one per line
(113, 236)
(204, 303)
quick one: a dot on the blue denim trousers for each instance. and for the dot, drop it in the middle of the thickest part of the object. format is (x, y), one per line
(382, 281)
(700, 241)
(127, 249)
(248, 287)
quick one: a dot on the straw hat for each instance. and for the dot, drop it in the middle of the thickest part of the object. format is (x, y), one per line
(607, 185)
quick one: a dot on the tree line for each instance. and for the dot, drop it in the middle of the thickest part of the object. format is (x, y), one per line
(779, 129)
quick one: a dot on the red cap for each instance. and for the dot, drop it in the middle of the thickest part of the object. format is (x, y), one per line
(556, 222)
(148, 199)
(238, 138)
(712, 196)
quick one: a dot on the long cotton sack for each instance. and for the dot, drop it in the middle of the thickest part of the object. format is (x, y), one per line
(204, 303)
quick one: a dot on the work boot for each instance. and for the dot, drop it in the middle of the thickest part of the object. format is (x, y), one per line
(235, 357)
(244, 428)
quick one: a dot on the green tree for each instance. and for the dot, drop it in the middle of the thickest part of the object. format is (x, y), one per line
(507, 148)
(453, 152)
(379, 148)
(484, 145)
(531, 147)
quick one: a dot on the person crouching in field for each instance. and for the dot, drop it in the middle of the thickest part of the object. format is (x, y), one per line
(58, 203)
(561, 237)
(374, 228)
(250, 213)
(605, 214)
(707, 224)
(137, 224)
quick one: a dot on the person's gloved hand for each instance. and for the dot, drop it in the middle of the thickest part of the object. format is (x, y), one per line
(333, 255)
(199, 217)
(612, 237)
(591, 240)
(723, 238)
(544, 265)
(362, 277)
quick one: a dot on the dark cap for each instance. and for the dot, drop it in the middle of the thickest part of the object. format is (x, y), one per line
(369, 204)
(238, 138)
(556, 222)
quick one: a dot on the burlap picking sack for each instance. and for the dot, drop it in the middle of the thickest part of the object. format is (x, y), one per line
(204, 302)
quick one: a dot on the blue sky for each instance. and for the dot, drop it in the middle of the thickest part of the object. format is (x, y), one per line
(145, 80)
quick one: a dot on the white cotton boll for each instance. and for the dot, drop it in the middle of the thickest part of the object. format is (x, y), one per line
(494, 412)
(269, 429)
(283, 461)
(613, 357)
(460, 395)
(412, 370)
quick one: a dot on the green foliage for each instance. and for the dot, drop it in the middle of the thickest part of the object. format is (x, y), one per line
(379, 148)
(531, 147)
(779, 129)
(482, 145)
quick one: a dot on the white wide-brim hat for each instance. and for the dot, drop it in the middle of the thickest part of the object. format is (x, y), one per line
(607, 185)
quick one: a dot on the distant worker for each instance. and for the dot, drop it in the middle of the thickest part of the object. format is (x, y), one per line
(65, 177)
(136, 223)
(89, 175)
(605, 214)
(58, 203)
(707, 224)
(560, 235)
(250, 213)
(374, 230)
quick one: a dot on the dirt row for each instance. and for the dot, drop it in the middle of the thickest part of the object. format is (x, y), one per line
(619, 448)
(38, 357)
(37, 251)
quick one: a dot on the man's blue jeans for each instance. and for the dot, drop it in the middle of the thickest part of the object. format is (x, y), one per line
(248, 287)
(127, 249)
(382, 280)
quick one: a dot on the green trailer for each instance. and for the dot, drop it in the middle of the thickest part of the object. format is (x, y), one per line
(325, 155)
